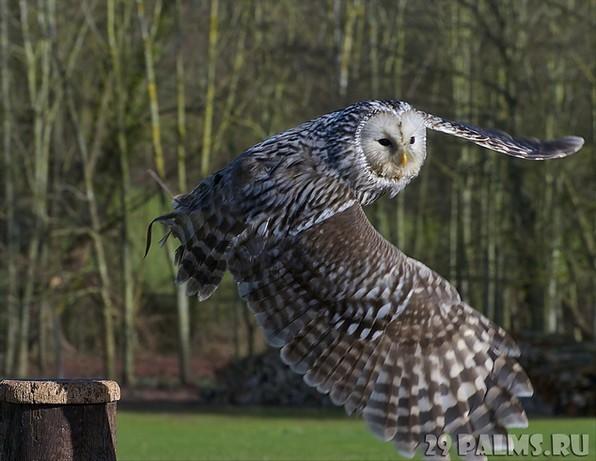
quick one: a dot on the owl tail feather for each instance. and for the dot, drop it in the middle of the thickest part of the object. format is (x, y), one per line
(205, 232)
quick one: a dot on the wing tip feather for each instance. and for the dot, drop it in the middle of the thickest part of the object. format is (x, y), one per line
(574, 143)
(558, 148)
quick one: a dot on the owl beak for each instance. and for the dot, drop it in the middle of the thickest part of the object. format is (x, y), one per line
(403, 158)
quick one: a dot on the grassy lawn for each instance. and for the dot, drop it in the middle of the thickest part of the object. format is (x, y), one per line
(280, 435)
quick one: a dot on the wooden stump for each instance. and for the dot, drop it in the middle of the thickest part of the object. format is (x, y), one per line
(66, 420)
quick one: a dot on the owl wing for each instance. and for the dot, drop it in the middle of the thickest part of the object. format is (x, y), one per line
(499, 141)
(381, 333)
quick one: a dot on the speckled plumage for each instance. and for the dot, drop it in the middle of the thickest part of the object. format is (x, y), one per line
(380, 332)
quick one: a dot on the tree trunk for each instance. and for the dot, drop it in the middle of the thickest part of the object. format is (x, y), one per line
(182, 300)
(127, 271)
(39, 97)
(353, 11)
(43, 321)
(12, 319)
(62, 420)
(551, 210)
(210, 96)
(151, 90)
(461, 44)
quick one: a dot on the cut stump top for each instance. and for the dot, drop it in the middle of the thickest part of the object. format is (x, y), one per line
(59, 391)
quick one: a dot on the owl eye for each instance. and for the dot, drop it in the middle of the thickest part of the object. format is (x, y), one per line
(385, 142)
(412, 140)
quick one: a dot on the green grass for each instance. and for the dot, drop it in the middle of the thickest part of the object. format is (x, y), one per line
(279, 435)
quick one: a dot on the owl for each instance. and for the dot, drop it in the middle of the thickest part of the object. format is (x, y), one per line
(379, 332)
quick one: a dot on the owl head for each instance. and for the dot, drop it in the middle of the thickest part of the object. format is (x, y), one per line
(393, 145)
(380, 147)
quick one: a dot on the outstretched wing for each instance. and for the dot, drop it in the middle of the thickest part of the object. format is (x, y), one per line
(380, 332)
(499, 141)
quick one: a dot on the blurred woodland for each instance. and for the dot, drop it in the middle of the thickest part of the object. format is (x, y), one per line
(103, 100)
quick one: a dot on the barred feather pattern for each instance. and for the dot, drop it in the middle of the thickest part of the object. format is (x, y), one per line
(499, 141)
(205, 224)
(381, 333)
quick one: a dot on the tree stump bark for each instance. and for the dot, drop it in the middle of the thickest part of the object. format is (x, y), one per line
(66, 420)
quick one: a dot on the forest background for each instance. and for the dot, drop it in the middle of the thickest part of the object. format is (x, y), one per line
(101, 101)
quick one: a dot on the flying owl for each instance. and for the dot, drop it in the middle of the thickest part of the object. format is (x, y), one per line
(381, 333)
